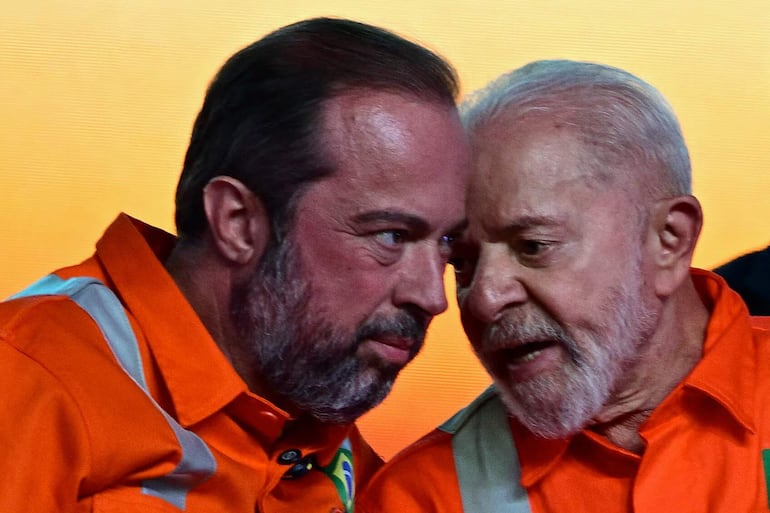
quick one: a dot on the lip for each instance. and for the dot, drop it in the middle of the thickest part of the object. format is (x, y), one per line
(525, 350)
(394, 350)
(397, 342)
(525, 361)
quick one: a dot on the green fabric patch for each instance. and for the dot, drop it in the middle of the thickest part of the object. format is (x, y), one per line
(340, 471)
(766, 463)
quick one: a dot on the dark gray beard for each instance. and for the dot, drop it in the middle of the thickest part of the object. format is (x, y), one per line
(298, 356)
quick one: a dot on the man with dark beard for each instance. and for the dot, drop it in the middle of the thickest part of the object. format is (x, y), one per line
(222, 371)
(625, 380)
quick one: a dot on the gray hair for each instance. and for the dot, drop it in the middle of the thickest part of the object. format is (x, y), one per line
(623, 117)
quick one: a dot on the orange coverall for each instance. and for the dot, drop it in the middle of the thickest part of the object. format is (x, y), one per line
(707, 443)
(78, 435)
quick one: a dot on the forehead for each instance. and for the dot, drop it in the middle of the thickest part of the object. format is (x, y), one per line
(534, 169)
(394, 151)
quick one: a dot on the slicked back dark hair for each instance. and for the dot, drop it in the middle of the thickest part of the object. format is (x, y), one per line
(261, 119)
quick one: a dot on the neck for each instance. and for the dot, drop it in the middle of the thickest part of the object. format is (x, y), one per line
(206, 285)
(678, 341)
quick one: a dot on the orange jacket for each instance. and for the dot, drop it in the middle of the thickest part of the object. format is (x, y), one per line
(77, 435)
(706, 442)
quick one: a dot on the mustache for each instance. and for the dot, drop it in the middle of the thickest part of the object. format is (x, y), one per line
(517, 329)
(405, 324)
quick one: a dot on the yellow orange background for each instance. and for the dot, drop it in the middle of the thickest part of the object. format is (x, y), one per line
(97, 99)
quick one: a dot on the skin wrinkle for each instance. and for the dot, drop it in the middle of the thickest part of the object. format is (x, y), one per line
(582, 229)
(597, 349)
(557, 404)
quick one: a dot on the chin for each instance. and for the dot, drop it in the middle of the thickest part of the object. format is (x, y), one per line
(352, 399)
(549, 409)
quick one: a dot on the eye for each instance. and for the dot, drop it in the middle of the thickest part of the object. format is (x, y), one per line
(447, 244)
(391, 238)
(449, 240)
(535, 252)
(532, 248)
(463, 259)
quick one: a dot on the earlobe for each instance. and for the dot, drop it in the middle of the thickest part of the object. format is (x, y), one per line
(676, 225)
(238, 223)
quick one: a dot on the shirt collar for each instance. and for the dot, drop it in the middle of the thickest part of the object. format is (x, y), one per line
(537, 456)
(728, 339)
(188, 358)
(727, 371)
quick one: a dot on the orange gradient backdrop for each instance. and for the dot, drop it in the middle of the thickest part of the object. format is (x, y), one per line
(97, 99)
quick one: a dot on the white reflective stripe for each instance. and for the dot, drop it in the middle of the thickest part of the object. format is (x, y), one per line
(101, 304)
(105, 309)
(486, 461)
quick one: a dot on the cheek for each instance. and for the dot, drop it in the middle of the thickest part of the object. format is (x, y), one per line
(345, 267)
(348, 292)
(474, 329)
(574, 295)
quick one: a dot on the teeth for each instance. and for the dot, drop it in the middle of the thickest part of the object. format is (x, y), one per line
(530, 356)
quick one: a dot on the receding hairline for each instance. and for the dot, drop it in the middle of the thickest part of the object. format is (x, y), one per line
(336, 127)
(629, 120)
(618, 178)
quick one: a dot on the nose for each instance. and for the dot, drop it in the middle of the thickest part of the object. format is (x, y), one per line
(496, 285)
(422, 281)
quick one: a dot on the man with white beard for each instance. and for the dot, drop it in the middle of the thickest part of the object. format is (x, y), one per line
(625, 380)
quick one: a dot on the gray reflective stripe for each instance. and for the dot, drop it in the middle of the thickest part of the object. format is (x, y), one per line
(105, 309)
(486, 461)
(197, 463)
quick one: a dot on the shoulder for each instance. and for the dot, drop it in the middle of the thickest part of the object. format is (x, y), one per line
(761, 325)
(26, 322)
(29, 331)
(61, 381)
(760, 334)
(433, 449)
(56, 335)
(367, 461)
(421, 478)
(41, 412)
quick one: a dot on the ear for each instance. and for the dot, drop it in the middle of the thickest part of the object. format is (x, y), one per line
(238, 222)
(674, 229)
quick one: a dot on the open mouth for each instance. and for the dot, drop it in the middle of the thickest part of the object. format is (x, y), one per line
(523, 353)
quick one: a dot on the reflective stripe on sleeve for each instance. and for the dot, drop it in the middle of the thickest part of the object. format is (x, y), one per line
(102, 305)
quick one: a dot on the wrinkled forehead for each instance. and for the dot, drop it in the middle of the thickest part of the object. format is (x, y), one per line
(520, 155)
(534, 170)
(593, 159)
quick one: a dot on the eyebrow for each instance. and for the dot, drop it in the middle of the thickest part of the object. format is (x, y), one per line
(459, 227)
(528, 221)
(414, 222)
(525, 222)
